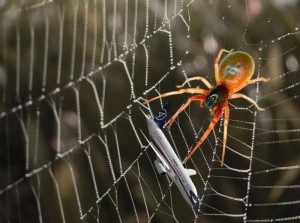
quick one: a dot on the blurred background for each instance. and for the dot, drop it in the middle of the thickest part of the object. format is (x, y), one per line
(74, 75)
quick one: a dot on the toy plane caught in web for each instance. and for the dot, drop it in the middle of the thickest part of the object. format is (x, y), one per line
(167, 161)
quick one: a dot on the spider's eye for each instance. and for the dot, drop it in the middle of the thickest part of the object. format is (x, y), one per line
(214, 97)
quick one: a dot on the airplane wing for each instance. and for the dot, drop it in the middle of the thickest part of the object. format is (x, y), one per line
(190, 172)
(156, 152)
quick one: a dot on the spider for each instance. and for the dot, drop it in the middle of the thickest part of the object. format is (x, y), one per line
(232, 74)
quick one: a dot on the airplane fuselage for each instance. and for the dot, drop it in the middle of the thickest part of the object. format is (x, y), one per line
(171, 163)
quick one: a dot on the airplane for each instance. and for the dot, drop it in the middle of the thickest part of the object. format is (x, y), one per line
(167, 161)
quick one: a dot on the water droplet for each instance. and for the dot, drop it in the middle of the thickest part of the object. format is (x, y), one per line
(292, 62)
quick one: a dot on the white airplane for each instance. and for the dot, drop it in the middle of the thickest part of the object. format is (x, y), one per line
(167, 161)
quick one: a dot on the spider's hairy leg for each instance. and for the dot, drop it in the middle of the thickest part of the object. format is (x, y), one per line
(181, 91)
(260, 79)
(207, 84)
(226, 120)
(206, 133)
(239, 95)
(216, 64)
(193, 98)
(222, 50)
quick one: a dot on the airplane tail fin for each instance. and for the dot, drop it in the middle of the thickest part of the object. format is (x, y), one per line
(160, 118)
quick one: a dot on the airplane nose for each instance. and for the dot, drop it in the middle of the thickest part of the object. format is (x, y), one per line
(193, 198)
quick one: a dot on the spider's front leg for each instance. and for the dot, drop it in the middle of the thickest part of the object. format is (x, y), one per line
(208, 130)
(199, 78)
(181, 91)
(216, 64)
(193, 98)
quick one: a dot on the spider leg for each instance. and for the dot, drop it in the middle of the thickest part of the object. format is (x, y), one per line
(226, 120)
(207, 84)
(257, 80)
(216, 64)
(181, 91)
(260, 79)
(206, 133)
(239, 95)
(193, 98)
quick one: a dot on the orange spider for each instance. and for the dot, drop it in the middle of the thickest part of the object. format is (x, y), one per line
(232, 74)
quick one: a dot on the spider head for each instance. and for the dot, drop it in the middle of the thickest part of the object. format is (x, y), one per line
(216, 95)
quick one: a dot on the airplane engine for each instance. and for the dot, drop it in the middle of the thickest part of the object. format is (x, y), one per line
(159, 167)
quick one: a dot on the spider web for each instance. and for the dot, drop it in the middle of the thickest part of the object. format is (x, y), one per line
(73, 78)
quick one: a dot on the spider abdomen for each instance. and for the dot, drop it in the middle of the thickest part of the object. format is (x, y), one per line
(235, 69)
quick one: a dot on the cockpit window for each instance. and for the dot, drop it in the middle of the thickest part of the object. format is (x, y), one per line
(193, 197)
